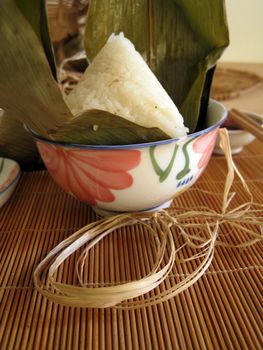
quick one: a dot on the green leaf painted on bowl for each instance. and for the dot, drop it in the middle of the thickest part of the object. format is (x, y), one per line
(181, 41)
(163, 174)
(96, 127)
(28, 91)
(186, 169)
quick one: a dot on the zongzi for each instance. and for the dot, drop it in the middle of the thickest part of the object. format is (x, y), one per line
(120, 82)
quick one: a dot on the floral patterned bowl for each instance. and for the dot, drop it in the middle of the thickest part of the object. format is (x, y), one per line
(132, 177)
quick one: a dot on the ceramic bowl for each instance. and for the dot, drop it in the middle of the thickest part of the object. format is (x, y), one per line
(240, 138)
(132, 177)
(9, 176)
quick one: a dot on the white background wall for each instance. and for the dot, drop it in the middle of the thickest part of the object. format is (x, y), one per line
(245, 21)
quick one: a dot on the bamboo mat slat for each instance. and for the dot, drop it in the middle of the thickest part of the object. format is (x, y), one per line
(223, 310)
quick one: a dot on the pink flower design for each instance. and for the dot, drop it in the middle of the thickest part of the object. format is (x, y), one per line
(90, 174)
(205, 145)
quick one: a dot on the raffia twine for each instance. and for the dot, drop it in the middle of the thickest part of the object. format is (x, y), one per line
(198, 228)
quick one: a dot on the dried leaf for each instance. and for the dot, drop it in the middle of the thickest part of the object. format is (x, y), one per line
(96, 127)
(36, 14)
(15, 142)
(28, 90)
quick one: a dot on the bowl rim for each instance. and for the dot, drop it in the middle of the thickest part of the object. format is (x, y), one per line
(38, 137)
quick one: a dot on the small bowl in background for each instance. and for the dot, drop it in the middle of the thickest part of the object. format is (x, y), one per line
(239, 138)
(9, 176)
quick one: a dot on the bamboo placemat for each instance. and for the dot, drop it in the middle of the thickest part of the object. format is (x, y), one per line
(223, 310)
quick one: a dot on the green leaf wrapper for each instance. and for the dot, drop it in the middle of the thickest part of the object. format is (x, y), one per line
(181, 41)
(96, 127)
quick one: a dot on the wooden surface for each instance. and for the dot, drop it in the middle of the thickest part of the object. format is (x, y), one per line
(223, 310)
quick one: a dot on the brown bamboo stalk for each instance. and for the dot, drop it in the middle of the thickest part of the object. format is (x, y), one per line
(143, 322)
(144, 268)
(114, 276)
(148, 261)
(129, 314)
(123, 316)
(37, 243)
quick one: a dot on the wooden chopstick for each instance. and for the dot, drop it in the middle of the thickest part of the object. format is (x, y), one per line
(245, 122)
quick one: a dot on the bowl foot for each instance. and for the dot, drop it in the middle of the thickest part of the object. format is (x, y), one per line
(107, 213)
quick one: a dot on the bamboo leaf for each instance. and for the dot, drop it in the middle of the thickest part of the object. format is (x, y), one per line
(202, 121)
(35, 13)
(96, 127)
(15, 142)
(181, 41)
(101, 22)
(28, 90)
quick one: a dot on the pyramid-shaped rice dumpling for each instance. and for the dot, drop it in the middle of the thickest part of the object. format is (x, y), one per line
(120, 82)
